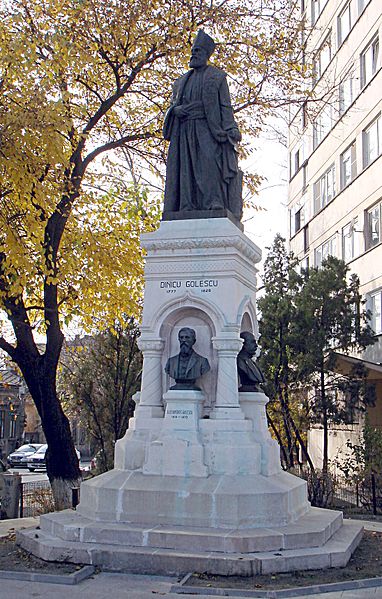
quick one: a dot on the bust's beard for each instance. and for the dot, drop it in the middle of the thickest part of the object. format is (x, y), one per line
(185, 350)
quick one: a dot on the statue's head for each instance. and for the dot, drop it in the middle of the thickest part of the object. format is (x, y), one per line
(250, 343)
(202, 48)
(187, 338)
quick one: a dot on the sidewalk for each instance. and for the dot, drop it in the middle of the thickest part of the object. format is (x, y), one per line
(106, 585)
(7, 526)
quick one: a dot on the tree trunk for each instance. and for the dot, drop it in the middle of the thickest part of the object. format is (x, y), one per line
(278, 437)
(325, 459)
(302, 443)
(61, 459)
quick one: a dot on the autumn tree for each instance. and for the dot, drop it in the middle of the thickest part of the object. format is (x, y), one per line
(83, 88)
(98, 377)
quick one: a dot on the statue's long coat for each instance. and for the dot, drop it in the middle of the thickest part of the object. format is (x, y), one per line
(202, 172)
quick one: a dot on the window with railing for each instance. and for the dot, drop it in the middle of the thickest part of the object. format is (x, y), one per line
(324, 189)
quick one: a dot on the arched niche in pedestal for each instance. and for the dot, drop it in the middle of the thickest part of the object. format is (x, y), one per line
(205, 324)
(247, 316)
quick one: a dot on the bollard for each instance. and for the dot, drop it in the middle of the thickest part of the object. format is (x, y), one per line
(10, 491)
(75, 497)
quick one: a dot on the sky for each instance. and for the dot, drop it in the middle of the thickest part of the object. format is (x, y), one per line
(261, 226)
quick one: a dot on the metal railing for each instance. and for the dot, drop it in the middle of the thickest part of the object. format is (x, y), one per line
(36, 498)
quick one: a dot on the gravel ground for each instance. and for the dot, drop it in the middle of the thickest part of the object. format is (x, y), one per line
(366, 562)
(16, 559)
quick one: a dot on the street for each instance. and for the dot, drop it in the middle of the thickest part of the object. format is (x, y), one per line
(39, 475)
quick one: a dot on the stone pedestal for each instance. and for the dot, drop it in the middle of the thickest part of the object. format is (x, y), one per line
(197, 483)
(178, 450)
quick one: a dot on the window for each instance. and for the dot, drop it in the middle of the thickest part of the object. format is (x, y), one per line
(297, 220)
(345, 22)
(346, 93)
(372, 142)
(329, 248)
(375, 304)
(323, 57)
(304, 263)
(13, 426)
(324, 190)
(304, 177)
(348, 165)
(306, 238)
(373, 226)
(317, 8)
(297, 161)
(348, 242)
(362, 5)
(369, 61)
(322, 125)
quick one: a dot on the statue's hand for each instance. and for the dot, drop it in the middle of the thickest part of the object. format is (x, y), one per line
(221, 136)
(234, 135)
(180, 112)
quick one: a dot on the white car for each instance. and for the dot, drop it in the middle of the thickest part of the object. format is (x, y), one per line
(37, 460)
(19, 457)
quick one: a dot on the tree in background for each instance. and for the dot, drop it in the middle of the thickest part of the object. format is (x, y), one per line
(278, 311)
(330, 320)
(306, 319)
(97, 381)
(79, 81)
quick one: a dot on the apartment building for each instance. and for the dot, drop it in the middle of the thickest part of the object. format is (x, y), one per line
(335, 146)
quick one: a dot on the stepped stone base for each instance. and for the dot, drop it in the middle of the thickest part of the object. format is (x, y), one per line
(318, 540)
(219, 501)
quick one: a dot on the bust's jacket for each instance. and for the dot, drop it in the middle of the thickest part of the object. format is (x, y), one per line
(196, 367)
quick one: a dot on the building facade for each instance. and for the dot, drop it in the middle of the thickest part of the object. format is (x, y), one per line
(335, 149)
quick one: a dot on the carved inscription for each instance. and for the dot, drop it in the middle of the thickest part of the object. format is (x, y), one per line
(179, 414)
(204, 285)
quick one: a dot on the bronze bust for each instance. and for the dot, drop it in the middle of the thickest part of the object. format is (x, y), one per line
(249, 372)
(187, 366)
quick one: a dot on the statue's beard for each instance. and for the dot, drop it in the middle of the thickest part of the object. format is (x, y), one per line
(196, 62)
(185, 349)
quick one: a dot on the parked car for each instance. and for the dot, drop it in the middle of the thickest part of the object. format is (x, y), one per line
(19, 457)
(37, 460)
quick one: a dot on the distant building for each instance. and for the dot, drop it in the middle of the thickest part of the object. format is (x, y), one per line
(19, 422)
(335, 189)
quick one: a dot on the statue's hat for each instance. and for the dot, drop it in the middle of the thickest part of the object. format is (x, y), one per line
(205, 41)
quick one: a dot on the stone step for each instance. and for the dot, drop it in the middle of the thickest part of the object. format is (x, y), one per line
(150, 560)
(313, 529)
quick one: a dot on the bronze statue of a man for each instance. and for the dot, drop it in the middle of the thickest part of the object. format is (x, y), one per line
(202, 165)
(187, 366)
(249, 372)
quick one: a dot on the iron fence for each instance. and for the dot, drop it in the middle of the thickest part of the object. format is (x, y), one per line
(35, 498)
(364, 494)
